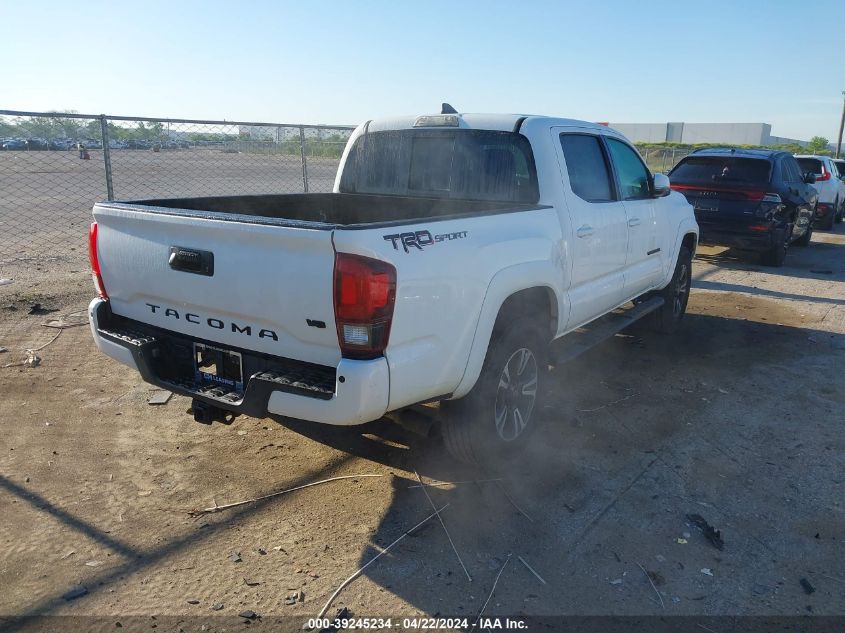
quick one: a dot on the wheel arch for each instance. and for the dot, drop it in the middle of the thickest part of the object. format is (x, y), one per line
(509, 297)
(687, 235)
(690, 240)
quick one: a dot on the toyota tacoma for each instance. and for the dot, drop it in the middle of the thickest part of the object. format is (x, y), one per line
(452, 251)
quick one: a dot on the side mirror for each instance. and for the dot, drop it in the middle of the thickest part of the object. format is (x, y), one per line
(660, 186)
(810, 178)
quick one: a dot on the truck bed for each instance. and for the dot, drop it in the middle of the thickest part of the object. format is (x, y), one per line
(328, 209)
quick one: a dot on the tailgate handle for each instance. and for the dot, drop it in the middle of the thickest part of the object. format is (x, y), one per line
(189, 260)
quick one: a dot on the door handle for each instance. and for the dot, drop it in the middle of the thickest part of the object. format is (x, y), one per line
(634, 222)
(189, 260)
(584, 231)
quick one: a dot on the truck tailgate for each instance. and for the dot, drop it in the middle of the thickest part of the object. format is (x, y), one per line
(270, 289)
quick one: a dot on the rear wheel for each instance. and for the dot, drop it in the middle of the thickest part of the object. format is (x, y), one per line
(776, 255)
(830, 220)
(675, 295)
(494, 421)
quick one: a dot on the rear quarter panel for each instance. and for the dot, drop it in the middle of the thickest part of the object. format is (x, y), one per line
(442, 288)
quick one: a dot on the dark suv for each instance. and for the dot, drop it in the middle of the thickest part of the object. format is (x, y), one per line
(748, 199)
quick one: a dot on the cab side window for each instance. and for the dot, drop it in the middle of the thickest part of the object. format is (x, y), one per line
(633, 175)
(586, 163)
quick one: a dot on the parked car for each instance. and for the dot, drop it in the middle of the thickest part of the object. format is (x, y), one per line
(840, 166)
(829, 185)
(138, 144)
(37, 144)
(60, 144)
(453, 249)
(749, 199)
(14, 144)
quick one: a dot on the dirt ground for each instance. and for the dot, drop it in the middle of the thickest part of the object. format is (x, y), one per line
(738, 418)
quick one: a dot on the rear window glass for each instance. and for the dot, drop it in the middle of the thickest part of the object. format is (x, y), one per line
(703, 169)
(813, 165)
(456, 163)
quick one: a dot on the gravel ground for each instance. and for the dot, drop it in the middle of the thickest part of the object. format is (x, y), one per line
(738, 418)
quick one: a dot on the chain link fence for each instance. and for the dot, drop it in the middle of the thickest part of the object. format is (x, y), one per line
(662, 159)
(55, 166)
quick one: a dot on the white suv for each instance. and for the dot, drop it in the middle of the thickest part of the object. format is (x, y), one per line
(830, 187)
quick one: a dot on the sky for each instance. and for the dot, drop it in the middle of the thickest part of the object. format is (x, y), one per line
(346, 62)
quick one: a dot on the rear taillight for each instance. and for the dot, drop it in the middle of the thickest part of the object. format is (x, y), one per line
(724, 192)
(364, 294)
(825, 175)
(95, 262)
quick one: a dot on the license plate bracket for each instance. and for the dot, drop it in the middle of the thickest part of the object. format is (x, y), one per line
(218, 366)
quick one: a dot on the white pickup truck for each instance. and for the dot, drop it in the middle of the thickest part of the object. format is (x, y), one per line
(452, 251)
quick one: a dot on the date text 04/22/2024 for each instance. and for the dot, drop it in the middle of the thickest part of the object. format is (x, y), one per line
(425, 624)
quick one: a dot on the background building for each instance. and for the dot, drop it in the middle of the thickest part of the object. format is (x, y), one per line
(727, 133)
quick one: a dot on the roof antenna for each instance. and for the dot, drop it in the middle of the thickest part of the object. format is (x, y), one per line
(447, 109)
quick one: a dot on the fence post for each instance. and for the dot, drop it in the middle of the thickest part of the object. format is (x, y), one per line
(302, 155)
(104, 127)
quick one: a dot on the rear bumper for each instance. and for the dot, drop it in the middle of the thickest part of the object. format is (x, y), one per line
(744, 240)
(352, 393)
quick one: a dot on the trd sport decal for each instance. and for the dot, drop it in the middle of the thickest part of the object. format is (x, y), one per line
(419, 239)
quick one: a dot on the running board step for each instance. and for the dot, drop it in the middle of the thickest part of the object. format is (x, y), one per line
(585, 338)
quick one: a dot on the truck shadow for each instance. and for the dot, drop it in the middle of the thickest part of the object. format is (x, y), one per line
(613, 418)
(812, 262)
(387, 443)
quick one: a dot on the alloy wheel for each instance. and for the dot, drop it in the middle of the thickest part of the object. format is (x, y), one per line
(516, 394)
(681, 289)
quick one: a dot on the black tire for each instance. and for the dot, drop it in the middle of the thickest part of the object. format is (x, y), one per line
(828, 225)
(483, 428)
(804, 240)
(828, 222)
(675, 295)
(776, 255)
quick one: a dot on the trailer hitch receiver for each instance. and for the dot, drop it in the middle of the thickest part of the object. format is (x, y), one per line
(205, 413)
